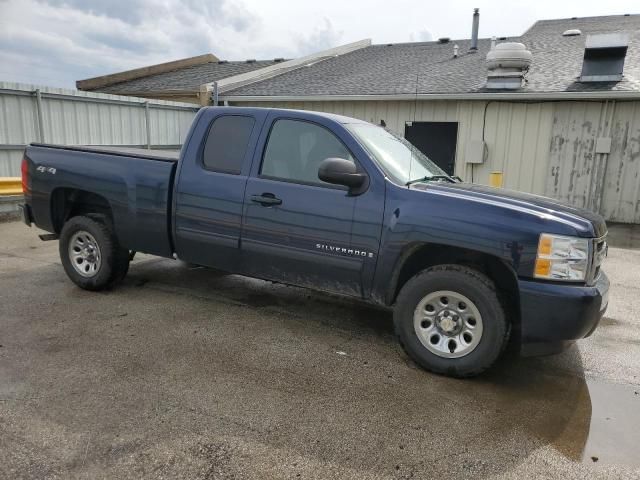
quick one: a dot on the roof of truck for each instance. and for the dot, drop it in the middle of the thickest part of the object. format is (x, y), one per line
(284, 111)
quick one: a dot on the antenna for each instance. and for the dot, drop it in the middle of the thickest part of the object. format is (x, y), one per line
(415, 108)
(415, 101)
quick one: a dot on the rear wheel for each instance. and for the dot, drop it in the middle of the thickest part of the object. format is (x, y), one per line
(450, 320)
(90, 253)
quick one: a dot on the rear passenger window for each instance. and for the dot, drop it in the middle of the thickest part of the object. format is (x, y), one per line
(227, 143)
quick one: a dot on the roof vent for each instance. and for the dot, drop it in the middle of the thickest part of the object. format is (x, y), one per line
(572, 32)
(278, 60)
(251, 60)
(222, 62)
(507, 64)
(444, 40)
(604, 57)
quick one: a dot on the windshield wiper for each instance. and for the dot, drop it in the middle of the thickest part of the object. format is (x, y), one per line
(430, 178)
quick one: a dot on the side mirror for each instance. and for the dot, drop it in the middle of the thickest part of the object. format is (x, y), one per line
(341, 172)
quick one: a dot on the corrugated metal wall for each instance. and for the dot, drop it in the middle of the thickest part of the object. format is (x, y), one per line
(83, 118)
(621, 191)
(547, 148)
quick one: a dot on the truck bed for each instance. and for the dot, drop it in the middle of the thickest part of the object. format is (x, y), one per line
(134, 183)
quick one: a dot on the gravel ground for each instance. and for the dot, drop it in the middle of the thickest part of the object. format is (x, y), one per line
(187, 373)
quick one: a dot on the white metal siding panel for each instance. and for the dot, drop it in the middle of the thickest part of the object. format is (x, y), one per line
(168, 127)
(10, 163)
(621, 195)
(17, 119)
(18, 126)
(575, 129)
(83, 118)
(513, 133)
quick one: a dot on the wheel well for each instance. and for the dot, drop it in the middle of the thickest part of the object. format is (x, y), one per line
(420, 257)
(71, 202)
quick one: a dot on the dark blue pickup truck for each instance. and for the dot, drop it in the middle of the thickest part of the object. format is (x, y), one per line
(340, 205)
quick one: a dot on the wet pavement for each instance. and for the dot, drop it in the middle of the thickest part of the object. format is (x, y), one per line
(185, 372)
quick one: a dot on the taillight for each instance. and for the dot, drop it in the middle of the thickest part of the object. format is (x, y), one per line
(24, 168)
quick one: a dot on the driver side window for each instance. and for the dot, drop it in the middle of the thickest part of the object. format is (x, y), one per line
(296, 148)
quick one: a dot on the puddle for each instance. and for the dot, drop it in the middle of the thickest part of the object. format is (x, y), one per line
(584, 419)
(614, 430)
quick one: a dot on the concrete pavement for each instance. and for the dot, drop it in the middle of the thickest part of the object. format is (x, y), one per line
(187, 373)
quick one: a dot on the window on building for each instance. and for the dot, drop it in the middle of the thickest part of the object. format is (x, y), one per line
(227, 143)
(296, 148)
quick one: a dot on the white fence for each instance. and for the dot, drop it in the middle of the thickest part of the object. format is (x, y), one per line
(30, 113)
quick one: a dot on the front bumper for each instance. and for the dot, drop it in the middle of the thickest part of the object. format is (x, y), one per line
(553, 315)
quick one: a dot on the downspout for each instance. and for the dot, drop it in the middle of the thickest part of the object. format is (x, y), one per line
(39, 115)
(147, 124)
(215, 94)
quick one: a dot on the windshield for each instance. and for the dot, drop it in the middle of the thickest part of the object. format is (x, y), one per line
(396, 156)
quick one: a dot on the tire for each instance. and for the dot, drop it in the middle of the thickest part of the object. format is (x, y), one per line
(90, 253)
(450, 321)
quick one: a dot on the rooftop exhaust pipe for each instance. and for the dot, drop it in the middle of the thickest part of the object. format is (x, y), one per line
(474, 29)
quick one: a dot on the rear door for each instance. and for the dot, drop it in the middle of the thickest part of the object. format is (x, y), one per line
(210, 188)
(298, 229)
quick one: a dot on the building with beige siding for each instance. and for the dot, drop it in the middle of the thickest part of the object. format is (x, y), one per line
(564, 122)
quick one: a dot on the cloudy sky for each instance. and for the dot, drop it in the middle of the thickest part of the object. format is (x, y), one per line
(55, 42)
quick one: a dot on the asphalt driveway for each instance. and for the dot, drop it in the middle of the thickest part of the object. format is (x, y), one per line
(186, 373)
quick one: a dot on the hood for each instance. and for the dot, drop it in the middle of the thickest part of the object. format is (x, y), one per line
(586, 222)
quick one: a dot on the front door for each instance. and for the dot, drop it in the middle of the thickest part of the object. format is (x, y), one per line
(296, 228)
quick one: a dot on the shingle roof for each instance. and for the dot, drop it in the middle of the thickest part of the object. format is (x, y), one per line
(394, 69)
(557, 60)
(189, 78)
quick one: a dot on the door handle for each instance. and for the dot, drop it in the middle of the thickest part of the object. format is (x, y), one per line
(266, 199)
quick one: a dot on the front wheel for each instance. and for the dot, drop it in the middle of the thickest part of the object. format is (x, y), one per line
(450, 320)
(90, 253)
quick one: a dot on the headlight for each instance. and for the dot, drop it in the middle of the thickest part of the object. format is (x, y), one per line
(562, 258)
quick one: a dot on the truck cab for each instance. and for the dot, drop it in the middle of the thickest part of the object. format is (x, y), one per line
(248, 199)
